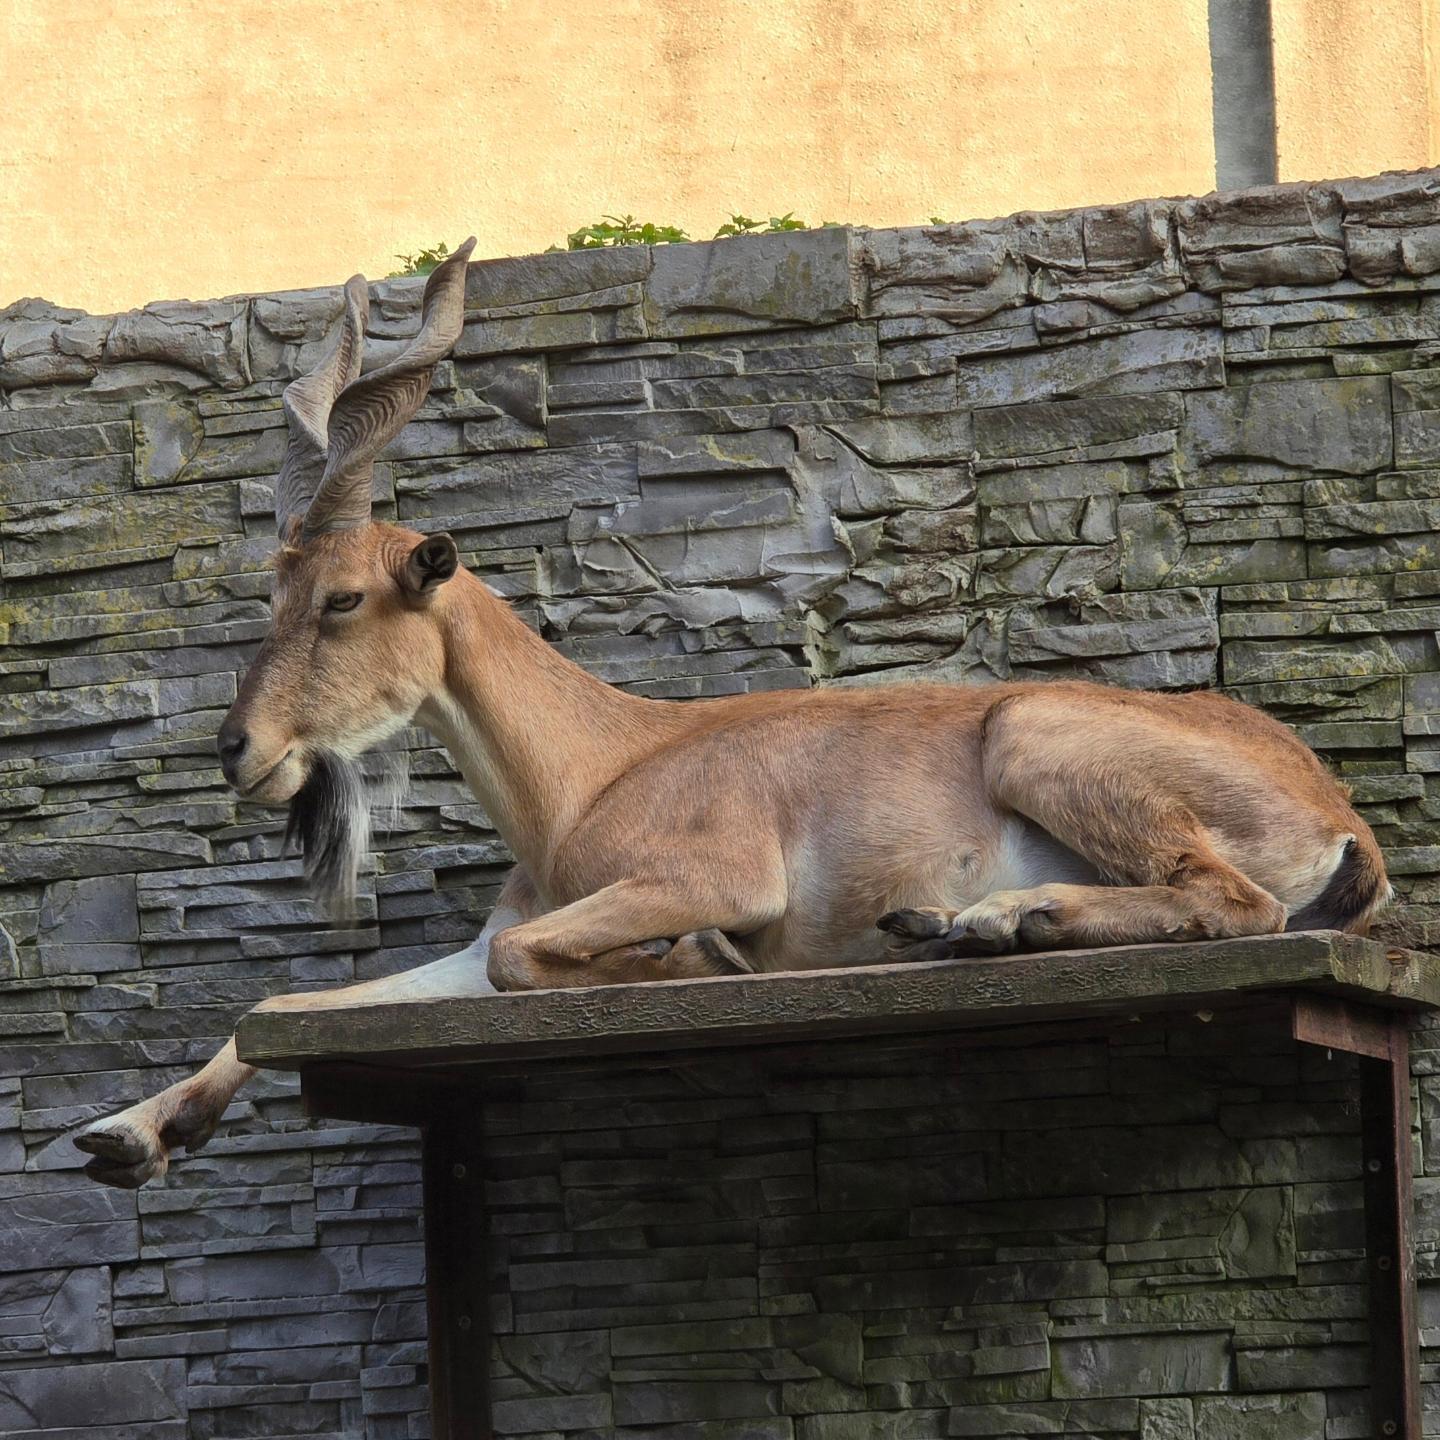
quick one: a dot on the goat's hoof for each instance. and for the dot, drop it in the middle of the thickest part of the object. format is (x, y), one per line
(926, 924)
(707, 953)
(126, 1154)
(977, 945)
(995, 925)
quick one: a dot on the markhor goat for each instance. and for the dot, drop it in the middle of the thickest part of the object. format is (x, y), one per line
(765, 832)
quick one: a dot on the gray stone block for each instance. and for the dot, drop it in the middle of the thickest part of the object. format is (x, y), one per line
(65, 476)
(1138, 363)
(910, 440)
(528, 279)
(287, 332)
(77, 1319)
(1313, 424)
(79, 912)
(1043, 427)
(965, 273)
(752, 282)
(1186, 1364)
(1045, 1417)
(691, 456)
(89, 856)
(208, 339)
(135, 1393)
(1167, 1420)
(514, 481)
(43, 344)
(102, 526)
(1251, 1417)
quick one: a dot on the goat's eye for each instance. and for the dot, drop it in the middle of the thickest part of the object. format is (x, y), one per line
(344, 600)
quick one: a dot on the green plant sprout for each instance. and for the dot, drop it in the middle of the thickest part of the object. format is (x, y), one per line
(421, 263)
(744, 225)
(612, 230)
(627, 230)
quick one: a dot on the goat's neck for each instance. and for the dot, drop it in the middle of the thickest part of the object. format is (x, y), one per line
(534, 735)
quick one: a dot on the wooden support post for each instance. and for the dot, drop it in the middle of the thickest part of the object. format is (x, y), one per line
(457, 1278)
(1389, 1248)
(1381, 1038)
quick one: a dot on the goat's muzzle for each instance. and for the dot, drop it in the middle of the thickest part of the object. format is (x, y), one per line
(259, 767)
(232, 743)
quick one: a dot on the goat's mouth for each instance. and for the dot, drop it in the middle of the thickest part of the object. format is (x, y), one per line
(277, 784)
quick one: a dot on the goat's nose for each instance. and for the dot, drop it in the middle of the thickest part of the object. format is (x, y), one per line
(231, 744)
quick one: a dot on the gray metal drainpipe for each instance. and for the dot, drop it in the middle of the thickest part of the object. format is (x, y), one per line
(1242, 87)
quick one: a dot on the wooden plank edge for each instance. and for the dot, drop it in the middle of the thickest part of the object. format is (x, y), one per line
(939, 996)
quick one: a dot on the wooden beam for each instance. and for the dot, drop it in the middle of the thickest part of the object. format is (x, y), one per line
(1382, 1041)
(1339, 1025)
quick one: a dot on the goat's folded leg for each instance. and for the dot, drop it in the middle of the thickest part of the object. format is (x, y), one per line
(1205, 899)
(603, 939)
(698, 955)
(704, 953)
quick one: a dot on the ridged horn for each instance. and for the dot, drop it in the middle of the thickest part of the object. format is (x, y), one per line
(308, 402)
(371, 410)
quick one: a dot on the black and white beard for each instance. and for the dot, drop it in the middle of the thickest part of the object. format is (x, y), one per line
(330, 821)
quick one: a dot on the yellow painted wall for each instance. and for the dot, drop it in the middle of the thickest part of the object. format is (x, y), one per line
(168, 148)
(1355, 86)
(201, 147)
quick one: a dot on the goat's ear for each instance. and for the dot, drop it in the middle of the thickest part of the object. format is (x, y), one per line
(428, 566)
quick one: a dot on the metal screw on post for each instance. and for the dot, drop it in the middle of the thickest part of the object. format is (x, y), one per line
(464, 1322)
(1389, 1428)
(1373, 1166)
(458, 1171)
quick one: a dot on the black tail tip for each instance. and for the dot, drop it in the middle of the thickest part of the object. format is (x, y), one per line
(1354, 889)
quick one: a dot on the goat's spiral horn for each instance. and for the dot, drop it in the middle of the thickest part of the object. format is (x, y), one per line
(340, 420)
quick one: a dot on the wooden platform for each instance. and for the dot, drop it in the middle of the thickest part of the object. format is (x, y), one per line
(492, 1030)
(436, 1063)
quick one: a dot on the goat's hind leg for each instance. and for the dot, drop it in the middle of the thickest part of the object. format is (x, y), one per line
(1097, 783)
(1204, 898)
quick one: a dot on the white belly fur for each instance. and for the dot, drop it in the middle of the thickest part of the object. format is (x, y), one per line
(1025, 857)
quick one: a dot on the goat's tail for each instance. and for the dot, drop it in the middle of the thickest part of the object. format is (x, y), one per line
(1356, 889)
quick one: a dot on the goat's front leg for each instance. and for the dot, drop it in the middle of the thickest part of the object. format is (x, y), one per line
(135, 1145)
(609, 938)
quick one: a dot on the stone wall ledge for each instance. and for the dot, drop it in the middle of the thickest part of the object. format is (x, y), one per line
(667, 1016)
(1076, 268)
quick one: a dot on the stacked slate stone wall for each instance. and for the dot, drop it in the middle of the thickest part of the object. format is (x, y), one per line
(1149, 1231)
(1168, 444)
